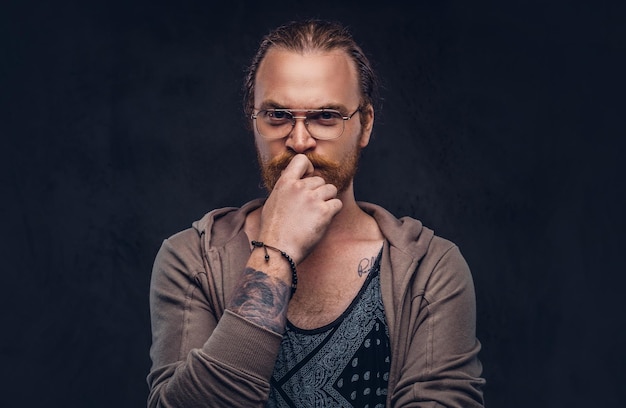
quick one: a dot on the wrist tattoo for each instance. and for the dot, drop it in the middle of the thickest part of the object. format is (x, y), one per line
(365, 266)
(262, 299)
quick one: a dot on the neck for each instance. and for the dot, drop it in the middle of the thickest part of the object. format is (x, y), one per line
(352, 229)
(346, 222)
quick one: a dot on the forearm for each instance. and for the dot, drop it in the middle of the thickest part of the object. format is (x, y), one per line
(263, 292)
(261, 299)
(202, 357)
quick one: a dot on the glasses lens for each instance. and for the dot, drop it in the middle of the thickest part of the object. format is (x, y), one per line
(325, 124)
(276, 124)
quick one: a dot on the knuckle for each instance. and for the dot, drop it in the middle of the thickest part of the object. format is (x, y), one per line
(300, 184)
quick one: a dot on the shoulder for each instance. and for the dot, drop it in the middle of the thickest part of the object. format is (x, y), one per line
(417, 254)
(443, 271)
(181, 252)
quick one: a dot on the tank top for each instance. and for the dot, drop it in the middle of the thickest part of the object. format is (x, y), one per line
(343, 364)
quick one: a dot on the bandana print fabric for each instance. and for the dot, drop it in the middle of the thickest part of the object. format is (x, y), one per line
(343, 364)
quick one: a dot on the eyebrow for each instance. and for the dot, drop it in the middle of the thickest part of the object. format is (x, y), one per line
(271, 104)
(337, 107)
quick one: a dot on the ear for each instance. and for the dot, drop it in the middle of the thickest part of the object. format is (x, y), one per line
(367, 122)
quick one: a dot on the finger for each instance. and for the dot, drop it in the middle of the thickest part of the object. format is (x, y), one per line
(327, 191)
(313, 182)
(298, 167)
(335, 205)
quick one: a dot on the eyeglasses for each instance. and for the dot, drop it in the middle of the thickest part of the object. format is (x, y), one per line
(322, 124)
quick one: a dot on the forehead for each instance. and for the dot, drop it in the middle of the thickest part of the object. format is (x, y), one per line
(306, 80)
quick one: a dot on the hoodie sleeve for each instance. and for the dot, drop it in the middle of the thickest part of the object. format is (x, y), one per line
(198, 358)
(441, 366)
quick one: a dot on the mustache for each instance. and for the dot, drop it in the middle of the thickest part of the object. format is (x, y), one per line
(279, 163)
(338, 173)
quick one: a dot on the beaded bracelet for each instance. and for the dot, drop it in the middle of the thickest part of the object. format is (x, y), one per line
(292, 264)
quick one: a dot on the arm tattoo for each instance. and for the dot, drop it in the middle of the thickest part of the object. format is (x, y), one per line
(262, 300)
(365, 266)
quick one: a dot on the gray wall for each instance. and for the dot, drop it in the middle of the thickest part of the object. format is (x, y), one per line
(501, 128)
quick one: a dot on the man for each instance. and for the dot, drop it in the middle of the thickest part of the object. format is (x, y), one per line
(307, 297)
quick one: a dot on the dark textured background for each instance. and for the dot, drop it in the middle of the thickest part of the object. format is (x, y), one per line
(501, 128)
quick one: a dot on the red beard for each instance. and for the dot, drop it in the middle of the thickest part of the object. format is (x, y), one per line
(340, 174)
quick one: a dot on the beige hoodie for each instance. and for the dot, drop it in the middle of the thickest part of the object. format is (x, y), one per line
(205, 356)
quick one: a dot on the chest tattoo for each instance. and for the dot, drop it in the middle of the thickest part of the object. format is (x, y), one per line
(365, 266)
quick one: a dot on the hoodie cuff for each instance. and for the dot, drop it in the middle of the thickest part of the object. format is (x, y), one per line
(244, 345)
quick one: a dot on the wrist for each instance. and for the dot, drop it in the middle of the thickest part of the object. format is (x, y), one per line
(275, 267)
(276, 252)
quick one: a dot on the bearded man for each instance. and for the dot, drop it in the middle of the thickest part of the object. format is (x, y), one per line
(307, 297)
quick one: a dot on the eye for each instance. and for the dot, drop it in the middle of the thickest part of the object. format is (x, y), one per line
(326, 118)
(276, 117)
(278, 114)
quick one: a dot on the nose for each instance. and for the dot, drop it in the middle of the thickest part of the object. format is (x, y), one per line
(299, 139)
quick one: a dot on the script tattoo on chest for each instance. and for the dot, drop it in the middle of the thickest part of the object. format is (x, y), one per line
(261, 299)
(365, 266)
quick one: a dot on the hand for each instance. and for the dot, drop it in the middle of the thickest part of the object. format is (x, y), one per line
(299, 210)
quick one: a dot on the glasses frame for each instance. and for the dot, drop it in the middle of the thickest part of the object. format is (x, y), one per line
(254, 117)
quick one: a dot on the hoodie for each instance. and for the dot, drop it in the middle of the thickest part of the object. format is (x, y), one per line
(206, 356)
